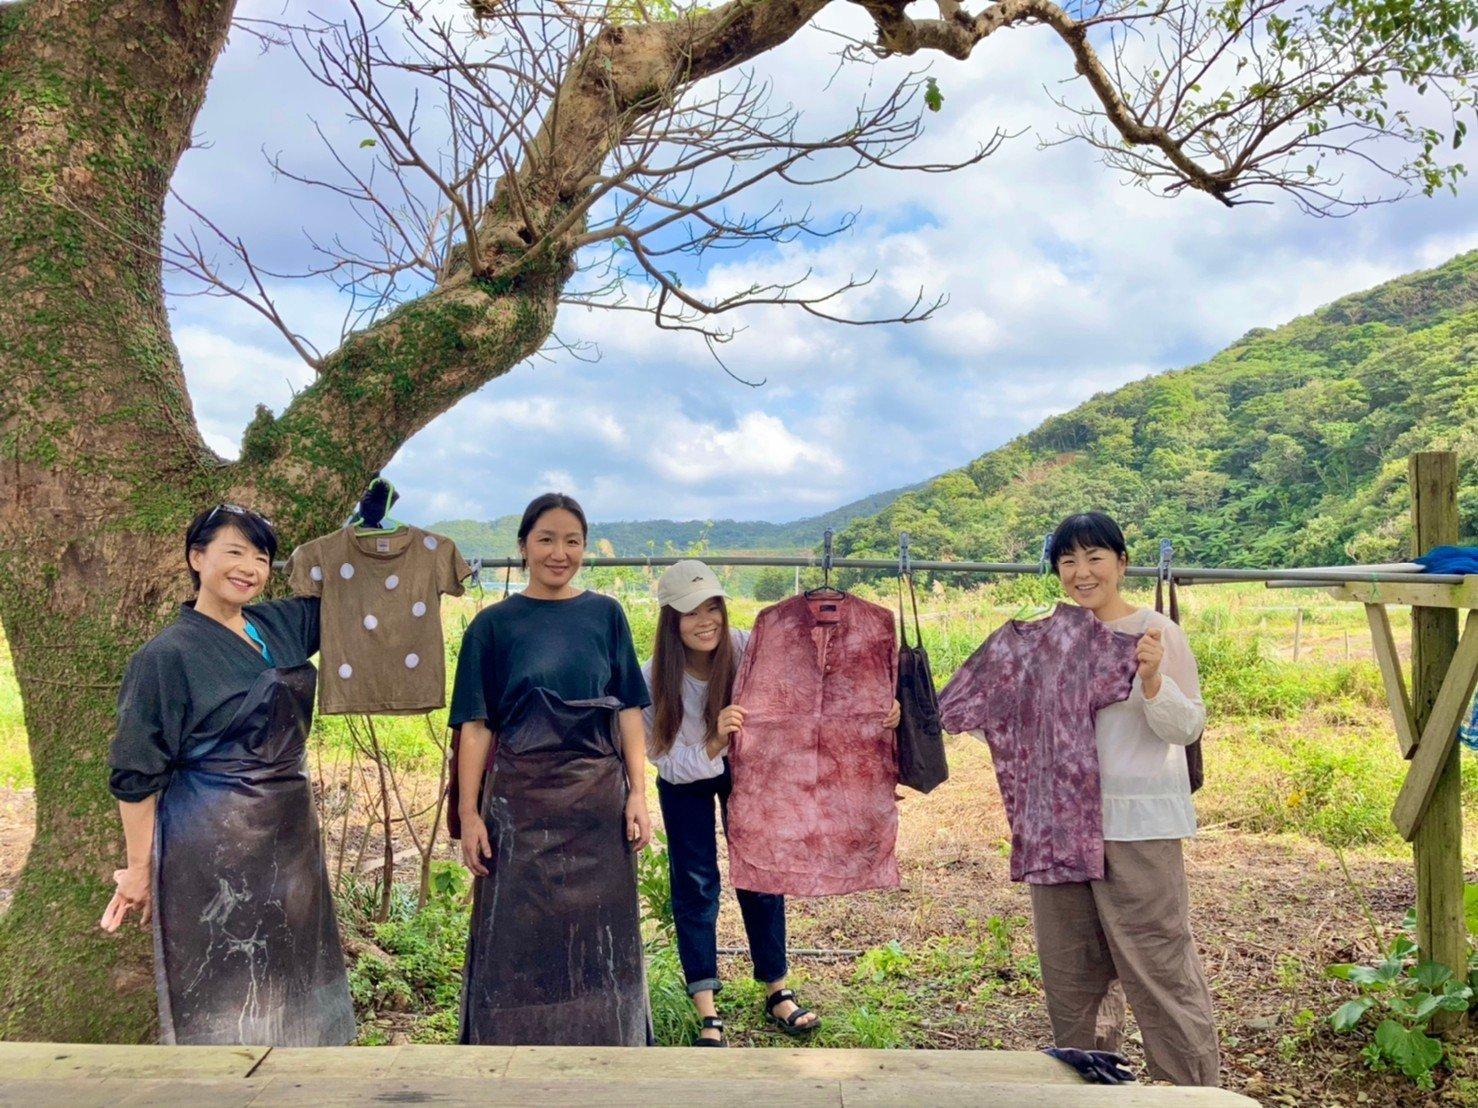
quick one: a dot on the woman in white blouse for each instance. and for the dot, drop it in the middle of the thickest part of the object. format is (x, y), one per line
(1130, 933)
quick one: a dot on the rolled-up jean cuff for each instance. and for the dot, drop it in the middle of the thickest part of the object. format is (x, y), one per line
(766, 978)
(695, 987)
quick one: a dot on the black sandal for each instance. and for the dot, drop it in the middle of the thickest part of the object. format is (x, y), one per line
(789, 1024)
(712, 1023)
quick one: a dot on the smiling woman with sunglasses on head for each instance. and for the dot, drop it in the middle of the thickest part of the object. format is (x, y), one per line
(224, 855)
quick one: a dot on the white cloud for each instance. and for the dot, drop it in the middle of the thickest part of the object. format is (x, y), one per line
(759, 445)
(228, 378)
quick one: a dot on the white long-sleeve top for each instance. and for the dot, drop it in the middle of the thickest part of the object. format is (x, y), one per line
(687, 760)
(1141, 743)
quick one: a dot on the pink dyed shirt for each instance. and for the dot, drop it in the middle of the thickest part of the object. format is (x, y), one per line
(1034, 688)
(812, 810)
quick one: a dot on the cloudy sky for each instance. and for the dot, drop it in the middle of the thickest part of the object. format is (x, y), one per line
(1062, 282)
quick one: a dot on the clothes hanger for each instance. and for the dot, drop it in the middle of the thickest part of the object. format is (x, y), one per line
(1034, 610)
(826, 589)
(905, 573)
(369, 516)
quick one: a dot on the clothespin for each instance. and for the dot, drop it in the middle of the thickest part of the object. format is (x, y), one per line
(475, 578)
(1166, 552)
(905, 562)
(826, 556)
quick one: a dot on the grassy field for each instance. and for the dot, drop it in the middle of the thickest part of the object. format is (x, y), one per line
(1302, 770)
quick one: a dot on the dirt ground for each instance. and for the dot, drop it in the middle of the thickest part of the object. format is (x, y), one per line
(1269, 914)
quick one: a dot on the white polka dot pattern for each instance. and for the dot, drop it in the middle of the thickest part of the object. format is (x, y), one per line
(316, 573)
(392, 581)
(412, 661)
(346, 671)
(418, 609)
(370, 623)
(346, 571)
(430, 541)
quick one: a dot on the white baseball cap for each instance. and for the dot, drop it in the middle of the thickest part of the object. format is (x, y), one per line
(687, 584)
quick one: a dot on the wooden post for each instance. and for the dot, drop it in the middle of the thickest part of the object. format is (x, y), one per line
(1437, 845)
(1298, 630)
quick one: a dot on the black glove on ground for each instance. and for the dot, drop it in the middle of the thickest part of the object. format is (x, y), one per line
(1098, 1067)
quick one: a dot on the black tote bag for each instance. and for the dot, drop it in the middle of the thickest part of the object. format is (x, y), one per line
(921, 761)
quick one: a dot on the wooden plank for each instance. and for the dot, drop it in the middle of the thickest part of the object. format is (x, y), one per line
(1435, 799)
(127, 1092)
(1416, 595)
(786, 1063)
(397, 1062)
(1439, 736)
(587, 1093)
(728, 1093)
(103, 1060)
(961, 1095)
(1390, 671)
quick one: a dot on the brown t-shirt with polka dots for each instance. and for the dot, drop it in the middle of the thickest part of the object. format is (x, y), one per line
(381, 617)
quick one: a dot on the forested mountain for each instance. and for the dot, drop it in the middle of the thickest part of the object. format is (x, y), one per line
(497, 538)
(1287, 448)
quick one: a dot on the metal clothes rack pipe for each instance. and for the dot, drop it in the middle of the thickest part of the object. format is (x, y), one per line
(1313, 577)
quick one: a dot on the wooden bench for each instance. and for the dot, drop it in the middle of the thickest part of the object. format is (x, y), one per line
(206, 1077)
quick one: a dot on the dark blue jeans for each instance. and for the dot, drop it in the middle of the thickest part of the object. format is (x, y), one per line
(692, 860)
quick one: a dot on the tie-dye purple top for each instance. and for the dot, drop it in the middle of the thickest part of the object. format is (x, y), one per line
(1033, 688)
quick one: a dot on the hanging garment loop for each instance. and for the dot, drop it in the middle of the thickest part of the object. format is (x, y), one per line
(1165, 582)
(918, 627)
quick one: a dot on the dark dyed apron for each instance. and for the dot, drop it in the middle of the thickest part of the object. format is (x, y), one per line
(554, 954)
(246, 948)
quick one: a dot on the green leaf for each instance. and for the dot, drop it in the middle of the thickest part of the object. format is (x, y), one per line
(1388, 970)
(1431, 974)
(1390, 1036)
(1426, 1004)
(366, 142)
(1340, 970)
(1470, 908)
(1350, 1012)
(933, 98)
(1414, 1052)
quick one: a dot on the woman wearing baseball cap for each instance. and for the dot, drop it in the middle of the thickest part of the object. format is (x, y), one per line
(691, 675)
(689, 723)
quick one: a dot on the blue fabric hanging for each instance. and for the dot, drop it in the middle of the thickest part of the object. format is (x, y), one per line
(1450, 559)
(1467, 731)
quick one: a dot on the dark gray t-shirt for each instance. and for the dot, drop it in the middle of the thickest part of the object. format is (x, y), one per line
(578, 649)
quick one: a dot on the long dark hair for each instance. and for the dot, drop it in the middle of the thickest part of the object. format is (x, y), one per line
(548, 502)
(254, 527)
(668, 658)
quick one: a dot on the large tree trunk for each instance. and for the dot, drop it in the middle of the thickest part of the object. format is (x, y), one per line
(101, 463)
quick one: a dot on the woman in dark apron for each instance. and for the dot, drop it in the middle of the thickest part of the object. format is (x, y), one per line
(224, 854)
(548, 790)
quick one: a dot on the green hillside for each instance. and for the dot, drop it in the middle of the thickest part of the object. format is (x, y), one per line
(632, 538)
(1287, 448)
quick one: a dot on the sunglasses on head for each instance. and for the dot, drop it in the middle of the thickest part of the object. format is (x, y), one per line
(238, 510)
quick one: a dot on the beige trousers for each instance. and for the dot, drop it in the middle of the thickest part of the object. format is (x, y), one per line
(1131, 930)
